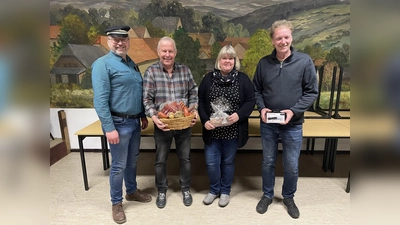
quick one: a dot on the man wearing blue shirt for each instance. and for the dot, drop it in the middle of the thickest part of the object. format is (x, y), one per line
(117, 87)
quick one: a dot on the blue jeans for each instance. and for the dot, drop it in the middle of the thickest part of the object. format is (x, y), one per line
(163, 140)
(124, 157)
(291, 138)
(220, 161)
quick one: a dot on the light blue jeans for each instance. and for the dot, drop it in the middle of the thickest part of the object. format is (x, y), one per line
(291, 137)
(220, 160)
(124, 157)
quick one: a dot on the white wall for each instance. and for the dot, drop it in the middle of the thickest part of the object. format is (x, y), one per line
(79, 118)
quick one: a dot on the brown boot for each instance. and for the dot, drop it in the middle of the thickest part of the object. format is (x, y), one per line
(118, 213)
(139, 196)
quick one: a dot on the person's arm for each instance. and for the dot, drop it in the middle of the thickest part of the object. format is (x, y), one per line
(258, 90)
(149, 93)
(258, 86)
(101, 94)
(202, 100)
(149, 90)
(310, 89)
(248, 98)
(193, 92)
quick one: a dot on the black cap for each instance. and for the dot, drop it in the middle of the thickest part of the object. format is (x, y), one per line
(119, 31)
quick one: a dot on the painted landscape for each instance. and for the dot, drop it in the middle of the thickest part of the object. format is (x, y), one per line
(200, 28)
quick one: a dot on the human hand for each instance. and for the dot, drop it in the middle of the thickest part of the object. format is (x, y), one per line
(145, 123)
(112, 137)
(162, 126)
(233, 118)
(208, 125)
(194, 120)
(289, 115)
(263, 113)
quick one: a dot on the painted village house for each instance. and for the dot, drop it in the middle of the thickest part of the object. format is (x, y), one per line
(139, 52)
(54, 32)
(73, 63)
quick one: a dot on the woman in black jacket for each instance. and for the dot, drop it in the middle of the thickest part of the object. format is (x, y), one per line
(229, 88)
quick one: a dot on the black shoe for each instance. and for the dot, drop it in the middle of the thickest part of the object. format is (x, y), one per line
(187, 198)
(161, 200)
(263, 204)
(291, 207)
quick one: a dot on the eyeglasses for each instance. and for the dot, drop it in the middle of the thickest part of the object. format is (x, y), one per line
(117, 40)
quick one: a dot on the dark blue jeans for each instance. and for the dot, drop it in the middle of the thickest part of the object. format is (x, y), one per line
(291, 137)
(163, 141)
(124, 156)
(220, 161)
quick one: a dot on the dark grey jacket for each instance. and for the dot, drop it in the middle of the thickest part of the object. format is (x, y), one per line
(291, 84)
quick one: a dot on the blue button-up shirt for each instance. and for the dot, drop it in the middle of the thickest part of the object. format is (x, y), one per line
(117, 87)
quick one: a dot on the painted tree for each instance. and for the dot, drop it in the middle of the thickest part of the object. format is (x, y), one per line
(93, 33)
(315, 51)
(94, 15)
(187, 15)
(232, 30)
(337, 55)
(188, 54)
(259, 46)
(73, 31)
(213, 24)
(165, 9)
(215, 48)
(82, 14)
(121, 16)
(346, 52)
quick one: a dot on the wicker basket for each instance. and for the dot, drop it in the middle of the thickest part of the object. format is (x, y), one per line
(178, 123)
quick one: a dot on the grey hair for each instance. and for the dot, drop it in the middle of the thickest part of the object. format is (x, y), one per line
(166, 38)
(227, 50)
(279, 23)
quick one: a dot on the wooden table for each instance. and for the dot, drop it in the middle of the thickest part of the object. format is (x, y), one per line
(344, 122)
(330, 129)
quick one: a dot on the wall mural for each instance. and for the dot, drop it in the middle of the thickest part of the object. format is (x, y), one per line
(322, 30)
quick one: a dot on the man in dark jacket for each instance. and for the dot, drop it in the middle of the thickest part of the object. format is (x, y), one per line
(285, 83)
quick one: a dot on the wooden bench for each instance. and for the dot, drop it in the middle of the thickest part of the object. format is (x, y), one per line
(329, 129)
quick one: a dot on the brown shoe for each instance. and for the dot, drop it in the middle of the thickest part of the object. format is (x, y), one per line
(118, 213)
(139, 196)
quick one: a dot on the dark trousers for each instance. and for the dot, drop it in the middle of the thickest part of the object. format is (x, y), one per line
(163, 140)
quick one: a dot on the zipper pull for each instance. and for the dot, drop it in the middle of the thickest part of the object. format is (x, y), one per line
(281, 64)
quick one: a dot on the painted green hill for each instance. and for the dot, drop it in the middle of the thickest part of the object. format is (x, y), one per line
(329, 25)
(324, 21)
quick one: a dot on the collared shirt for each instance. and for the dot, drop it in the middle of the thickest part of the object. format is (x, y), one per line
(159, 87)
(117, 87)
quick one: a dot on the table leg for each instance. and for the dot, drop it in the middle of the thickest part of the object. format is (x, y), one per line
(105, 150)
(312, 146)
(325, 160)
(348, 184)
(334, 143)
(103, 153)
(82, 153)
(308, 146)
